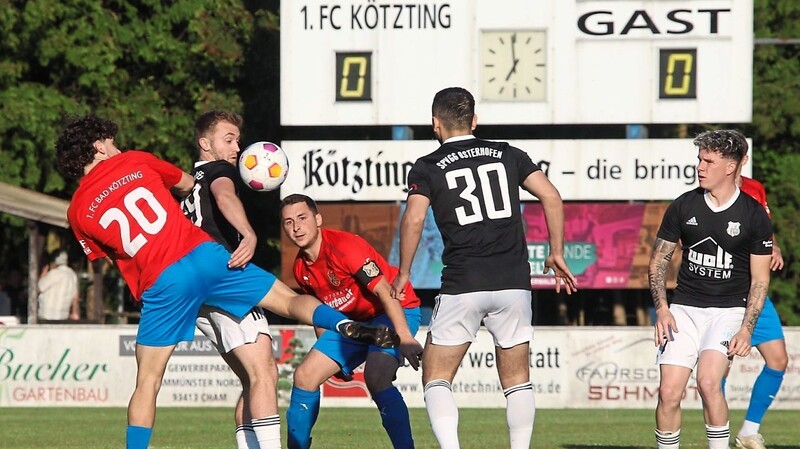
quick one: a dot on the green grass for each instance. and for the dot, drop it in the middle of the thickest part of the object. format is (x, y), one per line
(211, 428)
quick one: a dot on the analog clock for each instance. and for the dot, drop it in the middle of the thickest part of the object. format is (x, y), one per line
(513, 65)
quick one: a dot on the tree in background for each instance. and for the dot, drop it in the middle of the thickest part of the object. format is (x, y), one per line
(151, 66)
(776, 133)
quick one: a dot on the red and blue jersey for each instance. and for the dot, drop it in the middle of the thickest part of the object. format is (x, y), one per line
(345, 274)
(756, 190)
(123, 209)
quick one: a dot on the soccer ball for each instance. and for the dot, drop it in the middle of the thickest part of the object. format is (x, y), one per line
(263, 166)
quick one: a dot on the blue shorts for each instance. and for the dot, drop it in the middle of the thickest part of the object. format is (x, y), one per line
(171, 304)
(768, 326)
(349, 354)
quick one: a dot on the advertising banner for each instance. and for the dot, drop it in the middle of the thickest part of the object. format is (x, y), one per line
(591, 367)
(607, 245)
(582, 170)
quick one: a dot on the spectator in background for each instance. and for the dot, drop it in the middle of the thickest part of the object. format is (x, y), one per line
(58, 291)
(5, 300)
(18, 292)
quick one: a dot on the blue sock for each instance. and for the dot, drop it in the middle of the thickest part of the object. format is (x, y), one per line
(300, 418)
(138, 437)
(327, 318)
(766, 387)
(394, 414)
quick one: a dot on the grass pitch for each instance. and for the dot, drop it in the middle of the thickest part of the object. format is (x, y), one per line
(212, 428)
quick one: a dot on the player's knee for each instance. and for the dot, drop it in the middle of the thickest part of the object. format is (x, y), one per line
(709, 386)
(670, 396)
(305, 377)
(778, 362)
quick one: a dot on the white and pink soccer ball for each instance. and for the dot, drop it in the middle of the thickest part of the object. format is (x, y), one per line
(263, 166)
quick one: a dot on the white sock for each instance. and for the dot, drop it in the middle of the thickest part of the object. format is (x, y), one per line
(268, 432)
(749, 428)
(442, 412)
(668, 440)
(246, 437)
(719, 437)
(520, 411)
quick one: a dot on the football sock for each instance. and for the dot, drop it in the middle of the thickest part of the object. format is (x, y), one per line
(328, 318)
(268, 432)
(520, 412)
(394, 416)
(767, 385)
(668, 440)
(719, 437)
(137, 437)
(246, 437)
(442, 412)
(301, 416)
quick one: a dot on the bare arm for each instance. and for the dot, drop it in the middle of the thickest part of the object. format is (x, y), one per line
(539, 186)
(184, 186)
(74, 310)
(759, 284)
(657, 277)
(410, 233)
(232, 209)
(409, 346)
(776, 263)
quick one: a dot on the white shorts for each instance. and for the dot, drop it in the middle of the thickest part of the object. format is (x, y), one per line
(228, 332)
(699, 329)
(506, 314)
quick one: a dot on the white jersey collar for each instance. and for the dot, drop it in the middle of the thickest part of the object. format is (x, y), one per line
(721, 207)
(458, 138)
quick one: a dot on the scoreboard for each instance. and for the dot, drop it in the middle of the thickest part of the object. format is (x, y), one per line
(347, 62)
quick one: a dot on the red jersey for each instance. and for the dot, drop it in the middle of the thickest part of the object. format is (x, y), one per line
(124, 209)
(345, 274)
(755, 189)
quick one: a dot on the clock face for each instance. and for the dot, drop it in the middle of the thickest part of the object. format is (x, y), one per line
(513, 65)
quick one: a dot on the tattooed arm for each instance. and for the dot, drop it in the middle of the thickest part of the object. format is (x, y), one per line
(657, 277)
(759, 284)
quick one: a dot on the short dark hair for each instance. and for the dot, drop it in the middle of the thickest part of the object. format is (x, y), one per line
(209, 120)
(454, 107)
(729, 143)
(299, 198)
(75, 145)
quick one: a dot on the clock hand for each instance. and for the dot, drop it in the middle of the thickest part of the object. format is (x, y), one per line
(513, 69)
(513, 56)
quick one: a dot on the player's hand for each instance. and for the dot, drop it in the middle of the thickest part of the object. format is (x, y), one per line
(563, 275)
(740, 344)
(411, 350)
(244, 252)
(398, 287)
(74, 316)
(341, 375)
(665, 326)
(776, 263)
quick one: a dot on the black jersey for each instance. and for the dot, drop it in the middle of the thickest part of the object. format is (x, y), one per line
(201, 207)
(717, 243)
(473, 186)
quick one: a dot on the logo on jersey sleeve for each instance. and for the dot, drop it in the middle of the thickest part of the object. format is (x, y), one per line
(371, 269)
(692, 221)
(199, 175)
(85, 247)
(734, 228)
(708, 259)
